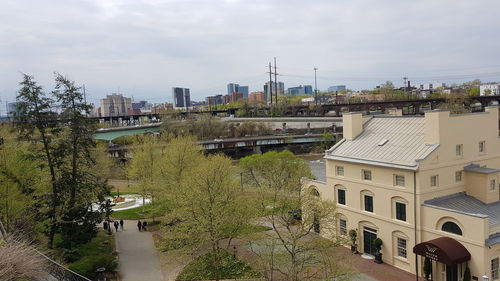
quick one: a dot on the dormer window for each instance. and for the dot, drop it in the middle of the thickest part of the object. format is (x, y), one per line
(382, 142)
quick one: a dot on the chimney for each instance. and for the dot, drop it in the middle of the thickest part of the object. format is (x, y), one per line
(409, 84)
(493, 109)
(352, 125)
(434, 121)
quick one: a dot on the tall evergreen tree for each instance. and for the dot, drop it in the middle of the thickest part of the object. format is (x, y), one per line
(82, 186)
(36, 124)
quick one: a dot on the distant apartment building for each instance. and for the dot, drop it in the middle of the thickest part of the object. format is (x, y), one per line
(237, 88)
(256, 97)
(215, 100)
(275, 89)
(233, 97)
(300, 90)
(115, 105)
(431, 86)
(142, 106)
(489, 89)
(336, 88)
(181, 97)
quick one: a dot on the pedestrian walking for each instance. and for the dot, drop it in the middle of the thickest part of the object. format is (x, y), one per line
(139, 225)
(121, 224)
(116, 224)
(145, 226)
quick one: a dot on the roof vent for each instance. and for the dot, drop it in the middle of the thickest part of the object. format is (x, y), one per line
(382, 142)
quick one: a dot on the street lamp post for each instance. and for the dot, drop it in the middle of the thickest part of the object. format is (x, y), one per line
(315, 86)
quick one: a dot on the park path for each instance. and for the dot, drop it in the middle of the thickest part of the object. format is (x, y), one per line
(138, 258)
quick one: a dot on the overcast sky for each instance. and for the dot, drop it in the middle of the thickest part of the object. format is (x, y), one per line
(143, 48)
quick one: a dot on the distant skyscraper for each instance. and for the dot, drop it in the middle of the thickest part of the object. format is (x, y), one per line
(232, 87)
(115, 105)
(181, 97)
(13, 109)
(236, 88)
(300, 90)
(337, 88)
(280, 89)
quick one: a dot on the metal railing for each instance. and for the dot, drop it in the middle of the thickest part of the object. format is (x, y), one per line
(59, 272)
(52, 268)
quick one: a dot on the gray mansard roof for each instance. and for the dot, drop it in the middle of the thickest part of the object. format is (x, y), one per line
(386, 141)
(464, 204)
(468, 205)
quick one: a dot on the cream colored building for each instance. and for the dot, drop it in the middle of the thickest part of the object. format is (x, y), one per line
(428, 185)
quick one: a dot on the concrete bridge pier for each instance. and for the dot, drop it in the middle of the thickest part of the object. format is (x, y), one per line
(257, 150)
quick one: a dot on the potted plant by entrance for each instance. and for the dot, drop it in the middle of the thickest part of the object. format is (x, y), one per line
(378, 245)
(353, 235)
(427, 268)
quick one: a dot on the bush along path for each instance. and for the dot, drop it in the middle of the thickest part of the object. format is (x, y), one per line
(138, 259)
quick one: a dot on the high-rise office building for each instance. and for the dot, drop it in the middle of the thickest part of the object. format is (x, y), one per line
(277, 89)
(115, 105)
(337, 88)
(237, 88)
(13, 109)
(300, 90)
(181, 97)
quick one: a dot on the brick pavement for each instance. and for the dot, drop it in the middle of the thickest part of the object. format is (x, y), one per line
(381, 272)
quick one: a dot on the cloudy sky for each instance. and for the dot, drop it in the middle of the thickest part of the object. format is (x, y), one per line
(142, 48)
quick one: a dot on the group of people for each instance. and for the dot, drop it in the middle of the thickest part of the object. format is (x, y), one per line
(117, 224)
(142, 226)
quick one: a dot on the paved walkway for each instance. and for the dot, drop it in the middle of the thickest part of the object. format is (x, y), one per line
(137, 255)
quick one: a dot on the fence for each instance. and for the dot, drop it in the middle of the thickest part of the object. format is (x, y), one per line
(55, 270)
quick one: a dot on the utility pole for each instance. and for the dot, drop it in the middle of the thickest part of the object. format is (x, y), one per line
(270, 88)
(315, 86)
(276, 81)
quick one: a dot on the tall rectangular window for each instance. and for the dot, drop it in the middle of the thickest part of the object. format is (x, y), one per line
(368, 203)
(458, 176)
(435, 180)
(459, 150)
(341, 196)
(400, 211)
(493, 183)
(399, 180)
(367, 175)
(482, 146)
(494, 269)
(343, 226)
(339, 170)
(402, 248)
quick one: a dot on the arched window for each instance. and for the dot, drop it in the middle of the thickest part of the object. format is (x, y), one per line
(451, 227)
(314, 192)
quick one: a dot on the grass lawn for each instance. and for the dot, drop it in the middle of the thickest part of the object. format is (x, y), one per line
(95, 254)
(232, 268)
(132, 214)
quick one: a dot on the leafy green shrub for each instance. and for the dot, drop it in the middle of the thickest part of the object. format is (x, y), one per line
(71, 255)
(378, 243)
(230, 268)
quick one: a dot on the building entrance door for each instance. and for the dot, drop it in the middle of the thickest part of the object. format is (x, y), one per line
(451, 273)
(369, 234)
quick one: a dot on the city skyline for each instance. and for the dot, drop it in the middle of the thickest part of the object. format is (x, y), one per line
(143, 49)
